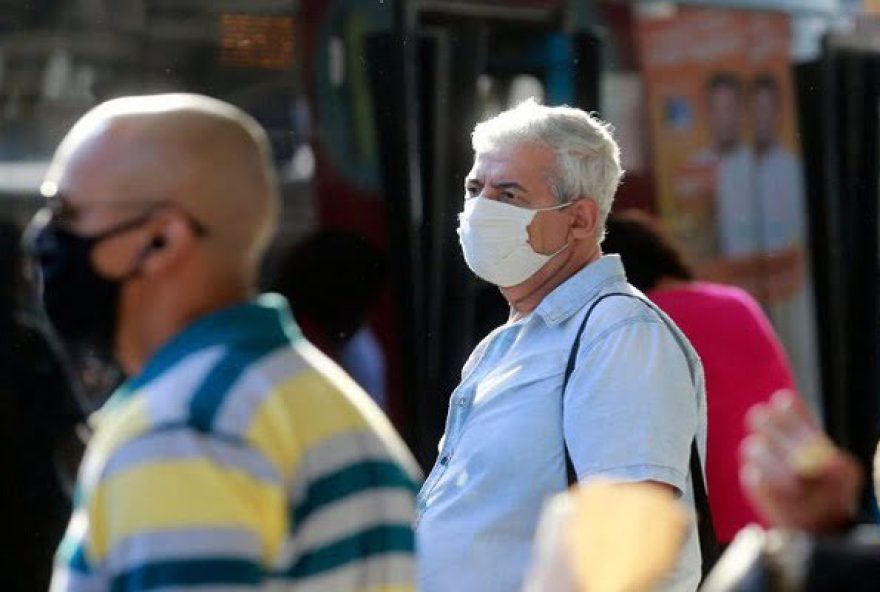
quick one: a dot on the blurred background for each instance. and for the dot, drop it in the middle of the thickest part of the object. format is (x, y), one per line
(750, 127)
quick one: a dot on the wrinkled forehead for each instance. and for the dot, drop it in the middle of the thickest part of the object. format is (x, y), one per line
(524, 158)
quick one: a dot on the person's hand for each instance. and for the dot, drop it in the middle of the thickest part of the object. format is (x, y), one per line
(792, 473)
(585, 541)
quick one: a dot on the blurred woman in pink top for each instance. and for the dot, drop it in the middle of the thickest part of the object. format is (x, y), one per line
(743, 359)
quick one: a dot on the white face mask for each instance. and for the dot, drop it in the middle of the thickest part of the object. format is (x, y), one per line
(494, 237)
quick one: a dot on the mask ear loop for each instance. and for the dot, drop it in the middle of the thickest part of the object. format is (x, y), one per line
(158, 242)
(550, 209)
(155, 244)
(565, 246)
(556, 207)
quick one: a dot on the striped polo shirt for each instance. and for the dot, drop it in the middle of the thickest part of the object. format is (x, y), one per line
(241, 458)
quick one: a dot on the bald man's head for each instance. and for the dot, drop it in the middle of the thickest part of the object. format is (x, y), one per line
(203, 155)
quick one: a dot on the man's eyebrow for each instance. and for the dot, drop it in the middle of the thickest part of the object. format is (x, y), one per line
(510, 185)
(502, 185)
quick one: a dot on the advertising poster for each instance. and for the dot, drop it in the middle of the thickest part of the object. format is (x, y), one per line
(723, 129)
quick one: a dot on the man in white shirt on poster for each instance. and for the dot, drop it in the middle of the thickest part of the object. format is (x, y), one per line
(779, 191)
(732, 163)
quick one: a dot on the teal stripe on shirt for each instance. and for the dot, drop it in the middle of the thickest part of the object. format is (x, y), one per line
(194, 572)
(361, 546)
(350, 480)
(267, 315)
(211, 393)
(78, 562)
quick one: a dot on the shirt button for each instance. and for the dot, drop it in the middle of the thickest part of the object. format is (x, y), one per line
(444, 460)
(461, 402)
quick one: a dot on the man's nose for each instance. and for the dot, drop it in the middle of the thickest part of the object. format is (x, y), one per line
(489, 193)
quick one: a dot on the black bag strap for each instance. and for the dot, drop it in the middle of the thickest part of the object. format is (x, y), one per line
(709, 549)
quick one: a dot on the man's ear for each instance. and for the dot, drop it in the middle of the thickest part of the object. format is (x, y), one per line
(173, 238)
(586, 219)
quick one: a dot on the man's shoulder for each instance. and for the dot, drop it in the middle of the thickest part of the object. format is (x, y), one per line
(275, 411)
(298, 402)
(626, 309)
(617, 304)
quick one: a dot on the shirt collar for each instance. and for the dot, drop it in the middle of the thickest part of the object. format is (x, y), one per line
(267, 318)
(575, 292)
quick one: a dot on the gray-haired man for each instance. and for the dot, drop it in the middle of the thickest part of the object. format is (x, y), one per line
(542, 184)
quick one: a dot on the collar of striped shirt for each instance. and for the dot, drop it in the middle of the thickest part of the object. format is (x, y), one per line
(265, 318)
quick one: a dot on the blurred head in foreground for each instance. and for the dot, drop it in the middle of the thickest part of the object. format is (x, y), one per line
(158, 210)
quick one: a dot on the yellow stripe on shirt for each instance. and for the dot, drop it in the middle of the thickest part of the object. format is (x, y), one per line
(185, 494)
(308, 395)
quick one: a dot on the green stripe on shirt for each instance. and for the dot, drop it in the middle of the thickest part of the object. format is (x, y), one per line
(193, 572)
(211, 394)
(350, 480)
(78, 561)
(371, 542)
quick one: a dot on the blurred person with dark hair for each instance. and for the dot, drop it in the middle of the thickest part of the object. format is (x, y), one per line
(743, 359)
(236, 455)
(332, 280)
(38, 415)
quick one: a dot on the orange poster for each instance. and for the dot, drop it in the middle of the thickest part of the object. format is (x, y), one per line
(723, 126)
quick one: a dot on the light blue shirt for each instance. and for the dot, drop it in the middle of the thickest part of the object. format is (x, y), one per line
(632, 407)
(362, 357)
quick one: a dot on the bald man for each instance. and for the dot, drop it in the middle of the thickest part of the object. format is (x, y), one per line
(235, 456)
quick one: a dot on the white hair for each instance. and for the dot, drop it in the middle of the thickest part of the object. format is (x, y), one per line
(587, 157)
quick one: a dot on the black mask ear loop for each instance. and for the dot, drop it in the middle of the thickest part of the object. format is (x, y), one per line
(156, 243)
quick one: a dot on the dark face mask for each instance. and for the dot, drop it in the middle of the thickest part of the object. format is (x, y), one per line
(81, 304)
